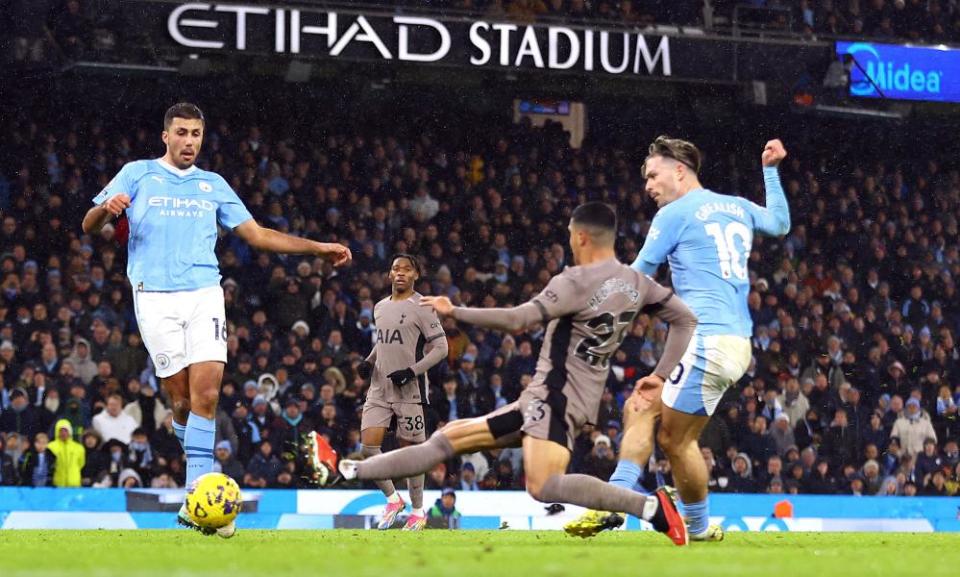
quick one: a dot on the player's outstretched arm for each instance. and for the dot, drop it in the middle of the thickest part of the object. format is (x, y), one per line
(100, 215)
(503, 319)
(267, 239)
(775, 219)
(682, 325)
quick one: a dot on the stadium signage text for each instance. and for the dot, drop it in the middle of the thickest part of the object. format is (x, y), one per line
(407, 38)
(903, 72)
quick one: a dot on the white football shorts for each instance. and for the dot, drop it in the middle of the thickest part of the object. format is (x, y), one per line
(709, 367)
(181, 328)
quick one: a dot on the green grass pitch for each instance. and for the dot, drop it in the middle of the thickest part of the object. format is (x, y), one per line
(469, 553)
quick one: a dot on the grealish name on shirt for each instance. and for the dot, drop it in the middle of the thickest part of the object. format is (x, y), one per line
(704, 212)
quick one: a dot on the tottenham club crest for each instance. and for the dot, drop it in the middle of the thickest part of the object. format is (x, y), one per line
(163, 361)
(205, 187)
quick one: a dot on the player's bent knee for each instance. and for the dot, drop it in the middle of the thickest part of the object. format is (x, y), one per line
(207, 399)
(667, 441)
(181, 409)
(535, 489)
(543, 490)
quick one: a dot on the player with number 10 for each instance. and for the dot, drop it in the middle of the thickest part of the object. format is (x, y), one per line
(706, 238)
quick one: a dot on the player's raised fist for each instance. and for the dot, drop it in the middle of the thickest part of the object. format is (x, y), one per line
(773, 153)
(117, 204)
(337, 254)
(442, 305)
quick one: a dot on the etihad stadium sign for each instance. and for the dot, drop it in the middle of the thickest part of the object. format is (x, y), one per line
(459, 41)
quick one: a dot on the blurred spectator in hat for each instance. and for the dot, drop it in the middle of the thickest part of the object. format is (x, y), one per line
(226, 463)
(71, 456)
(129, 479)
(872, 481)
(913, 428)
(445, 508)
(468, 377)
(741, 481)
(288, 429)
(365, 333)
(468, 478)
(139, 456)
(896, 381)
(83, 366)
(261, 415)
(602, 459)
(782, 433)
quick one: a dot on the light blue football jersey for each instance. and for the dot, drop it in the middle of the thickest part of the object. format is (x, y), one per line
(173, 218)
(707, 238)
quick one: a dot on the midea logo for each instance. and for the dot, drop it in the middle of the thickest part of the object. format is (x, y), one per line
(890, 74)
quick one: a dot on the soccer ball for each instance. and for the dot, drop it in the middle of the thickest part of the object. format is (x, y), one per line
(213, 501)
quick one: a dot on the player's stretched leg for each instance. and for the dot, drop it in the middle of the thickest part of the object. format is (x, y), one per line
(678, 437)
(200, 435)
(418, 517)
(371, 439)
(461, 436)
(177, 388)
(636, 445)
(545, 463)
(635, 450)
(411, 430)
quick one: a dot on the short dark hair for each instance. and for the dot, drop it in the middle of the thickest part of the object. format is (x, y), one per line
(599, 218)
(182, 110)
(682, 151)
(413, 260)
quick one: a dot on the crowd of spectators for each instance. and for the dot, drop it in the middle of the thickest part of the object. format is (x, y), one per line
(42, 31)
(854, 386)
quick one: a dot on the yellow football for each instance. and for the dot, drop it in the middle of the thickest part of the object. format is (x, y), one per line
(213, 500)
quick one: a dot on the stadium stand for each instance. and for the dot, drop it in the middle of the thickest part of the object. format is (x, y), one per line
(856, 312)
